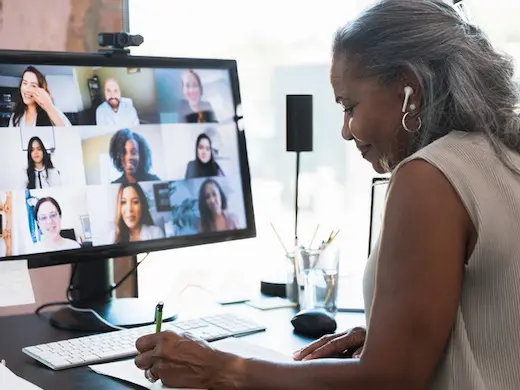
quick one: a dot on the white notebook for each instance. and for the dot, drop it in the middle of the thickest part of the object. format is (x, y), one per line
(127, 371)
(8, 380)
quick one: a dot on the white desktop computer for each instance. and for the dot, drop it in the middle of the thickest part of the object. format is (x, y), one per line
(108, 155)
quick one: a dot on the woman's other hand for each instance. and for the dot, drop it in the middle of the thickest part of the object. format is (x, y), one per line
(346, 344)
(180, 361)
(43, 98)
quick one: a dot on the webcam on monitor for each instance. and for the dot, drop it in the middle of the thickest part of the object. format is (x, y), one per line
(119, 41)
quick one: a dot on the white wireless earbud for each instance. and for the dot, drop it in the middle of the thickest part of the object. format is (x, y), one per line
(407, 92)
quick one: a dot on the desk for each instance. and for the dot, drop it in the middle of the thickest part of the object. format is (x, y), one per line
(20, 331)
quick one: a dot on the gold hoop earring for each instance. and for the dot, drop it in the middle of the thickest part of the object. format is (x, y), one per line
(403, 122)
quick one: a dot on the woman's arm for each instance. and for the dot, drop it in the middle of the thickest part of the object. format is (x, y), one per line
(57, 117)
(418, 285)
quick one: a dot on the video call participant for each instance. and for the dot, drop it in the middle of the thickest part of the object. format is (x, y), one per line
(47, 213)
(131, 156)
(40, 170)
(192, 109)
(34, 106)
(213, 206)
(133, 219)
(116, 110)
(204, 164)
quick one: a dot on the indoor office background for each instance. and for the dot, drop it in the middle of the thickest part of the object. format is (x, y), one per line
(279, 53)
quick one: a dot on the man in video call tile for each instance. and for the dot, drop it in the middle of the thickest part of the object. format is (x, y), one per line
(116, 110)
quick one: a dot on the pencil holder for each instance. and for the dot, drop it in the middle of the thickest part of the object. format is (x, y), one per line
(317, 271)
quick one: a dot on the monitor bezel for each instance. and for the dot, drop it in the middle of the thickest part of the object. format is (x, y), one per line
(36, 58)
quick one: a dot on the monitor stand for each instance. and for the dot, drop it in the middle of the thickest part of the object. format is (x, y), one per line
(90, 286)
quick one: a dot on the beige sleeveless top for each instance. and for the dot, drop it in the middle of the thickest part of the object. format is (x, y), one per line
(483, 352)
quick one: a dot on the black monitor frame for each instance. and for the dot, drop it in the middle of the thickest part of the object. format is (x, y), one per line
(122, 60)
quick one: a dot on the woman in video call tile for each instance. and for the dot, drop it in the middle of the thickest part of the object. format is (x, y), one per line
(204, 164)
(47, 213)
(133, 219)
(212, 209)
(34, 105)
(40, 170)
(131, 156)
(192, 109)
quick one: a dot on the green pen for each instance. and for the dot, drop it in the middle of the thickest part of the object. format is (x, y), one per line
(158, 316)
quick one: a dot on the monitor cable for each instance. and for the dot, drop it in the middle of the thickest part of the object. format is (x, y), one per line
(70, 302)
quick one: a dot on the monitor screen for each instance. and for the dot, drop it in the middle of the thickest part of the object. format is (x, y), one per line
(105, 156)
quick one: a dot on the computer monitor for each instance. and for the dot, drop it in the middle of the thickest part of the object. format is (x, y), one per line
(108, 155)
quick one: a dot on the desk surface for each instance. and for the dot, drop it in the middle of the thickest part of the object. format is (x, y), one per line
(20, 331)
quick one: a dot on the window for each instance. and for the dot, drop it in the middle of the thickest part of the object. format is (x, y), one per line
(278, 53)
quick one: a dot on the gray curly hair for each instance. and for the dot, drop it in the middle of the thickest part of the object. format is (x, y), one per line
(466, 84)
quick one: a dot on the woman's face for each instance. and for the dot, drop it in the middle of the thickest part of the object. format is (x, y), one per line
(131, 207)
(28, 87)
(191, 88)
(36, 152)
(372, 115)
(213, 199)
(130, 157)
(204, 150)
(49, 221)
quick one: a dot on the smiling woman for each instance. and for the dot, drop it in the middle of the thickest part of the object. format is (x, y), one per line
(133, 219)
(131, 156)
(34, 106)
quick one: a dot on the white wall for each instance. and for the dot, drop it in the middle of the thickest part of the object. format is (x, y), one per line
(65, 92)
(73, 204)
(67, 157)
(179, 147)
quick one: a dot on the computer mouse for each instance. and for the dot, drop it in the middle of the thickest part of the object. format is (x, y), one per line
(313, 323)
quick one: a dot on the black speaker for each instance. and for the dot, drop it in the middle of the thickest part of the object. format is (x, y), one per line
(299, 123)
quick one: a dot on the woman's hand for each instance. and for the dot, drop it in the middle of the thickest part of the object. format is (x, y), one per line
(346, 344)
(180, 361)
(42, 97)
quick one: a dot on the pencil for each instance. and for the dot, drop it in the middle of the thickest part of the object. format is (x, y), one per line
(279, 238)
(314, 236)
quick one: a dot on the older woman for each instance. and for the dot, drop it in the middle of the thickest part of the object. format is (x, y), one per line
(425, 97)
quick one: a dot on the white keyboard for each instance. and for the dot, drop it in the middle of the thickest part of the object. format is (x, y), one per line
(118, 344)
